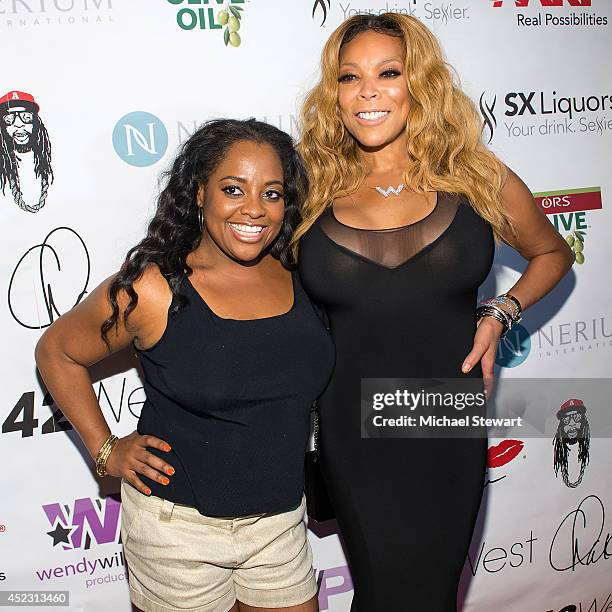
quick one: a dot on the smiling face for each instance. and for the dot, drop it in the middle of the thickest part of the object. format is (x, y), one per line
(243, 201)
(18, 122)
(372, 89)
(572, 424)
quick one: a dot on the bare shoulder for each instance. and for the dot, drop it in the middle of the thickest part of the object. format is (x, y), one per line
(154, 295)
(514, 188)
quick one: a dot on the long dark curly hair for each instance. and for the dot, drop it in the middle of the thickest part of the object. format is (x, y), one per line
(174, 231)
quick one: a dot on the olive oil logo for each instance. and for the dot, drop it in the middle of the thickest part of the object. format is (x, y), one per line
(226, 16)
(568, 209)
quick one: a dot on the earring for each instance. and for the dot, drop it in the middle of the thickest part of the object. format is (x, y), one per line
(201, 218)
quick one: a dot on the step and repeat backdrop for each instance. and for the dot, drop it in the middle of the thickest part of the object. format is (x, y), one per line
(110, 88)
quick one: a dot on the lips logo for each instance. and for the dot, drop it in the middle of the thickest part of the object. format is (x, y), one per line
(501, 454)
(504, 452)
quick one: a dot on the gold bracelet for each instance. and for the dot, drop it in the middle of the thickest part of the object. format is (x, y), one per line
(104, 454)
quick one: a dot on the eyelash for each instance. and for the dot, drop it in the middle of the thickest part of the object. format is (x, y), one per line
(229, 188)
(391, 73)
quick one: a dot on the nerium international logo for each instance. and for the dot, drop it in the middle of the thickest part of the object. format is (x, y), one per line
(55, 13)
(578, 336)
(25, 151)
(568, 209)
(514, 347)
(84, 522)
(227, 17)
(571, 442)
(544, 113)
(140, 139)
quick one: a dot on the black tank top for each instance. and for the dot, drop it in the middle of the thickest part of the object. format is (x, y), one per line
(232, 398)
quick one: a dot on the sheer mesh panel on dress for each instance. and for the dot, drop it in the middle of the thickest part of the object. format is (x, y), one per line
(393, 247)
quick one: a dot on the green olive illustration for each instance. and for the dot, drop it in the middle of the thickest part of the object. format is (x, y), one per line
(222, 17)
(579, 258)
(570, 240)
(234, 39)
(578, 246)
(233, 25)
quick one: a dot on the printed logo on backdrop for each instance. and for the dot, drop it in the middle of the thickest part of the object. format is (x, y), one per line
(49, 279)
(574, 337)
(499, 456)
(226, 18)
(571, 442)
(17, 14)
(140, 139)
(25, 151)
(84, 522)
(536, 114)
(332, 581)
(514, 347)
(431, 12)
(568, 209)
(579, 541)
(542, 18)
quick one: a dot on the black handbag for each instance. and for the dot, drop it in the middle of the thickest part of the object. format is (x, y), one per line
(318, 505)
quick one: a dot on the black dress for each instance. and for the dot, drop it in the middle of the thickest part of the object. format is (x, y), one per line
(401, 303)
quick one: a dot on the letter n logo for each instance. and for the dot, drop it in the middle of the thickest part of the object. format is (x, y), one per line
(140, 139)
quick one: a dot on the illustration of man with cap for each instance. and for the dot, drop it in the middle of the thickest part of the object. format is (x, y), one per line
(25, 150)
(572, 440)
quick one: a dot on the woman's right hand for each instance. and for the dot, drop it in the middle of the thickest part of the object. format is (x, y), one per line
(130, 456)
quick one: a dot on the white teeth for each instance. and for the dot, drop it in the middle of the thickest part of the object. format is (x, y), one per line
(371, 116)
(249, 229)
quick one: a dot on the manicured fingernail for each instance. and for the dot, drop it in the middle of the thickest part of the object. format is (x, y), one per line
(465, 367)
(147, 491)
(170, 471)
(167, 447)
(165, 481)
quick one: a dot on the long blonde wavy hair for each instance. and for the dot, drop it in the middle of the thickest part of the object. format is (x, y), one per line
(444, 129)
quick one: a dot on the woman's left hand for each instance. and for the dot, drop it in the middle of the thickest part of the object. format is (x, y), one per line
(484, 350)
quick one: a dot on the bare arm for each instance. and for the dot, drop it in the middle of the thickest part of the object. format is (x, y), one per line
(73, 343)
(550, 258)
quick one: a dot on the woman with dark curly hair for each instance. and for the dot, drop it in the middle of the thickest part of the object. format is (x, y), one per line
(233, 356)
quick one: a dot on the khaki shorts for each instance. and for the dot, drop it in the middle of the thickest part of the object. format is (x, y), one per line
(179, 559)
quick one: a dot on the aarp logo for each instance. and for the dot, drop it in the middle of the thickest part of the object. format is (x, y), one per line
(140, 139)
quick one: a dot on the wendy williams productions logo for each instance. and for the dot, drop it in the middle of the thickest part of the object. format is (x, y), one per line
(25, 151)
(85, 522)
(571, 442)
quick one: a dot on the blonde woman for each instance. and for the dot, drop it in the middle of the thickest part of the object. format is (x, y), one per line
(398, 233)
